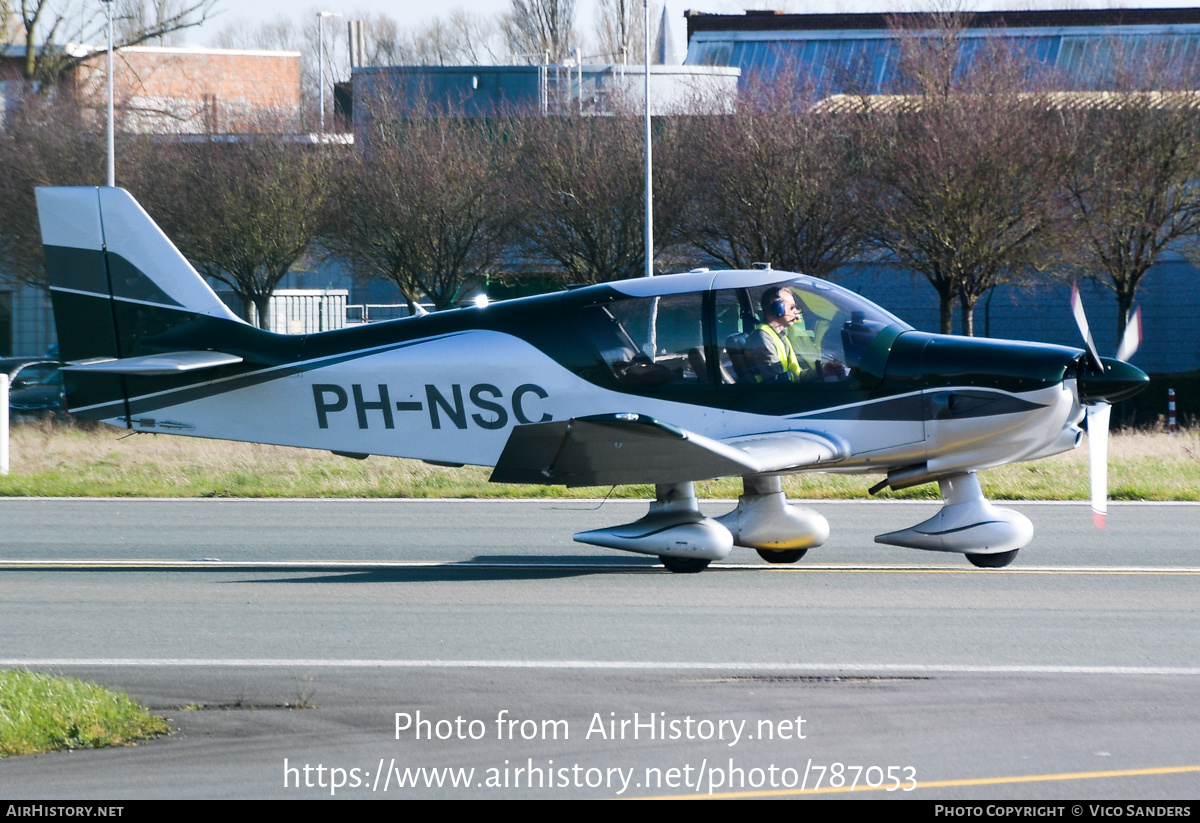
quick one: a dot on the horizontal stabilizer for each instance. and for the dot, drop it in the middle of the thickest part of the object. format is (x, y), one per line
(175, 362)
(617, 449)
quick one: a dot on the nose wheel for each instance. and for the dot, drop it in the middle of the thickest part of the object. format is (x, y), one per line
(684, 565)
(992, 561)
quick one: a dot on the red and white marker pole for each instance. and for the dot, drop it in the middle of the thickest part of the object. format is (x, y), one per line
(1171, 410)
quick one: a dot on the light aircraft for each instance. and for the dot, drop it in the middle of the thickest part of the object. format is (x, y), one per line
(662, 380)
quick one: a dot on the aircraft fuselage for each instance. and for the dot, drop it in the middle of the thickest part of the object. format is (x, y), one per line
(451, 387)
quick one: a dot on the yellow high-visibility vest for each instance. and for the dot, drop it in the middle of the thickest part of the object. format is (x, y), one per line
(783, 349)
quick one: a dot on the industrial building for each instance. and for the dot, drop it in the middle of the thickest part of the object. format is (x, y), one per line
(590, 90)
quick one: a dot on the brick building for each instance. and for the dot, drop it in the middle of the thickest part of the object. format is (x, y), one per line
(166, 90)
(182, 90)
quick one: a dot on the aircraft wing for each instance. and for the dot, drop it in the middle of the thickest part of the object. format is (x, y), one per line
(615, 449)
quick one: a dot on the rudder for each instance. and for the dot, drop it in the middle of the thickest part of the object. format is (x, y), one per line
(118, 286)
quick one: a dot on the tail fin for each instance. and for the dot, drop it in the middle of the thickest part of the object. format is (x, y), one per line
(100, 243)
(120, 288)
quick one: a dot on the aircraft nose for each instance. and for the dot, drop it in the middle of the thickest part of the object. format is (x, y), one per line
(1115, 380)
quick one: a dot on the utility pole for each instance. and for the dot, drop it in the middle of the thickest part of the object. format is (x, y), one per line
(649, 164)
(112, 161)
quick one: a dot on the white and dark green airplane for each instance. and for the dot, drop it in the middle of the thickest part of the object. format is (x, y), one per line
(665, 380)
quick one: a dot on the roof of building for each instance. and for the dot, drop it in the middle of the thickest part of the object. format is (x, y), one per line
(771, 21)
(84, 49)
(1057, 100)
(862, 53)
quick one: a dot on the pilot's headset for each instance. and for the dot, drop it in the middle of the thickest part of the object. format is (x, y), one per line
(777, 307)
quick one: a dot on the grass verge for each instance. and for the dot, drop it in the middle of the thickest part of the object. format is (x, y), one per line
(66, 461)
(40, 713)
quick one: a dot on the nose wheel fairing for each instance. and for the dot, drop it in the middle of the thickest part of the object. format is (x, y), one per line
(967, 523)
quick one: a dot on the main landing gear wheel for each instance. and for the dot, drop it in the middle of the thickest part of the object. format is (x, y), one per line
(684, 565)
(992, 561)
(785, 556)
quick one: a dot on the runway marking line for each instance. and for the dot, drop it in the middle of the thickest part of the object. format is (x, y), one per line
(764, 667)
(935, 784)
(208, 564)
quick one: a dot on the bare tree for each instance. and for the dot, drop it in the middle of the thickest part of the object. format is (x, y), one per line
(280, 33)
(620, 30)
(426, 205)
(48, 26)
(132, 17)
(460, 38)
(583, 185)
(775, 182)
(9, 25)
(966, 169)
(48, 141)
(242, 211)
(541, 27)
(1133, 192)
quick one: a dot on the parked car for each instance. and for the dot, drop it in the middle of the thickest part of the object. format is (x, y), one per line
(25, 372)
(38, 400)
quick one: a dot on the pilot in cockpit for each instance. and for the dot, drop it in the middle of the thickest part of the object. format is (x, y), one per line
(769, 347)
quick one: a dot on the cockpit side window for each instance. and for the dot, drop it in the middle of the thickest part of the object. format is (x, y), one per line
(799, 331)
(651, 341)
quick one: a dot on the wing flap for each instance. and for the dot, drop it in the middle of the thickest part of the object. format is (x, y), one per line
(618, 449)
(176, 362)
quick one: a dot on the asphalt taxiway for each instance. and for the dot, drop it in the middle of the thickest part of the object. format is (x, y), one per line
(1070, 674)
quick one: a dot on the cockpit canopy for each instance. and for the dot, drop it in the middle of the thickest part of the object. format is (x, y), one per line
(724, 336)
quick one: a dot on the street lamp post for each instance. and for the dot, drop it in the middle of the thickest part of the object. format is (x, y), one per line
(321, 15)
(112, 163)
(649, 178)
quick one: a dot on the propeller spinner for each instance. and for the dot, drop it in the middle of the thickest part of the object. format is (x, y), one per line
(1102, 382)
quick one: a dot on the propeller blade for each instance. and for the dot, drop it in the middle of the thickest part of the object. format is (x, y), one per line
(1132, 338)
(1097, 422)
(1081, 321)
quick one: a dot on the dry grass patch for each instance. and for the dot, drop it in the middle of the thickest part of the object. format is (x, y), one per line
(54, 460)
